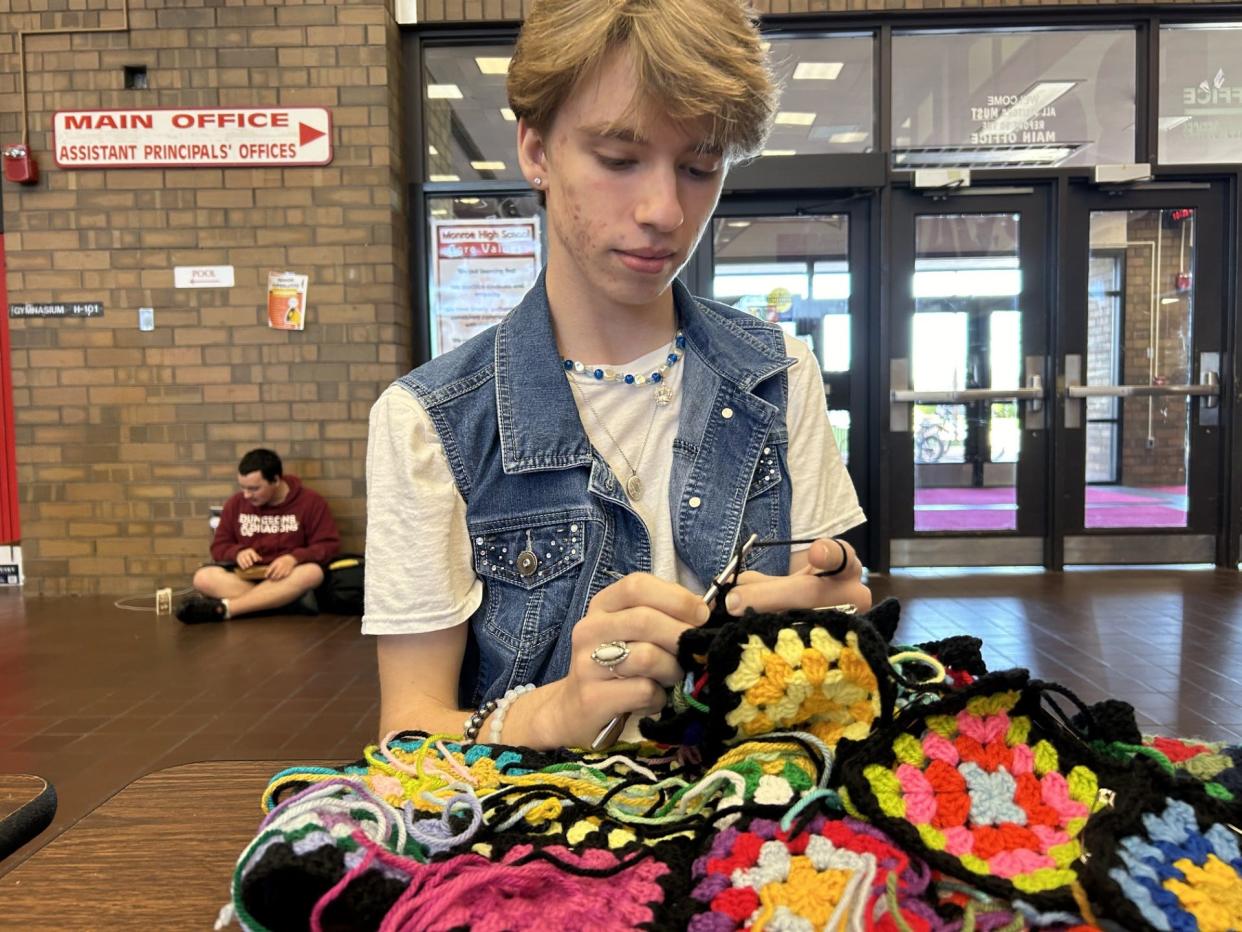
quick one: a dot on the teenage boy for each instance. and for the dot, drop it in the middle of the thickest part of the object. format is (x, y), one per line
(272, 538)
(548, 502)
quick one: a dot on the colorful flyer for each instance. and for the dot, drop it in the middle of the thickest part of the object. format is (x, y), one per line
(286, 300)
(482, 270)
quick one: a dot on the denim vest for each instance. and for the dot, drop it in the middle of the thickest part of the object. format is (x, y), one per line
(531, 481)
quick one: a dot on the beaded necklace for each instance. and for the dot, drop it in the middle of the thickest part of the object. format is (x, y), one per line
(663, 395)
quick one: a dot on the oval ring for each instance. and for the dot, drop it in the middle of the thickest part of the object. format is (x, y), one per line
(611, 654)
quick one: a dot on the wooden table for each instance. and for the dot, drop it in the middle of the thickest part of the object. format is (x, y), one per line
(157, 855)
(27, 807)
(17, 790)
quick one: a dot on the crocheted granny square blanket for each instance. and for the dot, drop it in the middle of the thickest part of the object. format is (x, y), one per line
(1166, 855)
(808, 774)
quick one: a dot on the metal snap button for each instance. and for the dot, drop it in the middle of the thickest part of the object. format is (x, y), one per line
(695, 501)
(726, 413)
(527, 562)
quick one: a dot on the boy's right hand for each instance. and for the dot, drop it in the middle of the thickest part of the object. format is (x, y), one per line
(248, 558)
(647, 614)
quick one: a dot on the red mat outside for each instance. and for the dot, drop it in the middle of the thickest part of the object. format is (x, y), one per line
(966, 509)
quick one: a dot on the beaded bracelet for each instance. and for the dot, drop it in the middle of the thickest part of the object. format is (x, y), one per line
(502, 707)
(470, 731)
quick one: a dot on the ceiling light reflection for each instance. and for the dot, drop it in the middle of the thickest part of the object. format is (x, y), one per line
(817, 70)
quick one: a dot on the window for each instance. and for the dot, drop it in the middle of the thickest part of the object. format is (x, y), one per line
(1200, 94)
(827, 102)
(1013, 99)
(470, 133)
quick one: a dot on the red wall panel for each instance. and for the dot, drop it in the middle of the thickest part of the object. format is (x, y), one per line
(10, 527)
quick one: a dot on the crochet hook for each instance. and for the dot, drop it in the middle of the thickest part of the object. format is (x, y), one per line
(612, 731)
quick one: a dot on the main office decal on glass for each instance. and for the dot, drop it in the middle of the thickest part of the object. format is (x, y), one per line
(1200, 94)
(481, 270)
(1014, 98)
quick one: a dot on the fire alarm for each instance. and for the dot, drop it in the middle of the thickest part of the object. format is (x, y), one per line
(1183, 281)
(20, 166)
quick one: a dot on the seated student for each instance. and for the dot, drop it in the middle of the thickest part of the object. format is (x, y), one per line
(547, 503)
(272, 537)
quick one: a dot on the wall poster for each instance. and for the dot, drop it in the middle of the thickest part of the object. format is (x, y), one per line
(480, 271)
(286, 300)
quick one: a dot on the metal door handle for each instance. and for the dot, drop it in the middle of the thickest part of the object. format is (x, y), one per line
(1211, 378)
(1207, 389)
(966, 395)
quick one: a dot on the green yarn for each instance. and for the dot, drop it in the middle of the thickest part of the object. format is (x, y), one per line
(894, 905)
(1206, 766)
(695, 704)
(798, 778)
(1215, 789)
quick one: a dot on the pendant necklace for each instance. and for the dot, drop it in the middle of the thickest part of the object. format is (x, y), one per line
(633, 485)
(663, 395)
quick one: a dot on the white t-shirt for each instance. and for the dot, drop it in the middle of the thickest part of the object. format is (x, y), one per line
(413, 587)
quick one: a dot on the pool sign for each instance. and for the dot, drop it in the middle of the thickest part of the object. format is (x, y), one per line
(192, 138)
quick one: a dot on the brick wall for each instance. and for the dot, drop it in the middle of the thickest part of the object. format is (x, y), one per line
(1153, 451)
(125, 438)
(437, 11)
(1102, 306)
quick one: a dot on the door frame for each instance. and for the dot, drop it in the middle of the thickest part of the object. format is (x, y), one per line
(1206, 535)
(1028, 543)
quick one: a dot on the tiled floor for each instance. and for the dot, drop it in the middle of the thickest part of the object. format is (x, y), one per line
(92, 697)
(1167, 641)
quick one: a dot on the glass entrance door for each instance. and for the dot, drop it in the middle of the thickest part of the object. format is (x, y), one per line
(804, 267)
(1142, 365)
(967, 415)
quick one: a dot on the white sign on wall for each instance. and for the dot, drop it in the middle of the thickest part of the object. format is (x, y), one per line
(192, 138)
(11, 565)
(203, 276)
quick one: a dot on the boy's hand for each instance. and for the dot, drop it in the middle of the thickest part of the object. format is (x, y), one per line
(281, 567)
(248, 558)
(803, 587)
(645, 613)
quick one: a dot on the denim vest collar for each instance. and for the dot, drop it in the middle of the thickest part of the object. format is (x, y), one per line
(538, 421)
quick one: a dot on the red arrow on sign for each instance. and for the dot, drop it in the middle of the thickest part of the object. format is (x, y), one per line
(308, 134)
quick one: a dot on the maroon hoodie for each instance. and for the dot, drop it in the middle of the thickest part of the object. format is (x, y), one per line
(301, 525)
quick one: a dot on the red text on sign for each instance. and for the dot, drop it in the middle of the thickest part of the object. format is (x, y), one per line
(226, 118)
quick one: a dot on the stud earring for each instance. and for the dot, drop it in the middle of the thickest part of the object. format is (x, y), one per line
(538, 182)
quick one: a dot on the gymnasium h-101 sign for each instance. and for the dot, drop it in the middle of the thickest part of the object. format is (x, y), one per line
(192, 138)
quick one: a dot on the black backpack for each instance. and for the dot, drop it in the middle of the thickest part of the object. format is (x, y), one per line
(341, 590)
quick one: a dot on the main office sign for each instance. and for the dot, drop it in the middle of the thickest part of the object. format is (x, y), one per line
(192, 138)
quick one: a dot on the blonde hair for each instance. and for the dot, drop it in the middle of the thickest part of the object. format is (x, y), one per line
(697, 59)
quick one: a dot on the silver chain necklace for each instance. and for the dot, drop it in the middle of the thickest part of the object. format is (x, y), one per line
(633, 485)
(663, 395)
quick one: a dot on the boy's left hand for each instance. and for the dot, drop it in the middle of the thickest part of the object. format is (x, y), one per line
(281, 567)
(803, 588)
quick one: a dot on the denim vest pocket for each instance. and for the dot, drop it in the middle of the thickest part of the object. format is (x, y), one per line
(527, 564)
